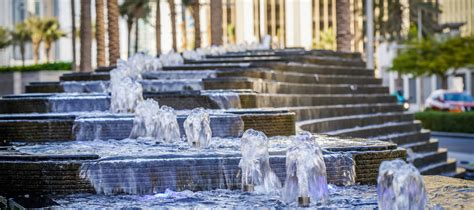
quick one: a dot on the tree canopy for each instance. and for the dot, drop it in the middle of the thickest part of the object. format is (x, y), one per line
(432, 57)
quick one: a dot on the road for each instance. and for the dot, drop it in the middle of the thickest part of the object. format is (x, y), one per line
(460, 147)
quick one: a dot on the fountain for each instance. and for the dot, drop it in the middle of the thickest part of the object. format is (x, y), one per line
(306, 178)
(197, 128)
(400, 186)
(82, 148)
(255, 164)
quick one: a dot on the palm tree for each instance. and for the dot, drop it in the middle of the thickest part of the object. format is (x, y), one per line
(73, 36)
(113, 30)
(197, 20)
(158, 27)
(184, 6)
(36, 27)
(86, 36)
(100, 32)
(173, 22)
(52, 32)
(20, 36)
(216, 22)
(5, 39)
(343, 25)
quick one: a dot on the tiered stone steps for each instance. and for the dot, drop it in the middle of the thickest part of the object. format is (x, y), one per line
(351, 112)
(330, 92)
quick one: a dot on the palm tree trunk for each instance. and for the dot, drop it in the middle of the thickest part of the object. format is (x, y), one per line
(100, 32)
(158, 27)
(129, 38)
(86, 36)
(73, 36)
(197, 25)
(47, 51)
(136, 35)
(173, 22)
(183, 27)
(216, 22)
(113, 30)
(36, 46)
(343, 25)
(22, 52)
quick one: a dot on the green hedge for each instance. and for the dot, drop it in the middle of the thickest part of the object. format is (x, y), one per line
(58, 66)
(446, 121)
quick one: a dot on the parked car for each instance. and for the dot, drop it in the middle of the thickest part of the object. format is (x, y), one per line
(446, 100)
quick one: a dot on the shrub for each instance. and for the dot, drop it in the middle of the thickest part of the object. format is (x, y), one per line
(58, 66)
(446, 121)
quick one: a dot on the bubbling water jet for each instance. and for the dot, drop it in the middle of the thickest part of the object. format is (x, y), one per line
(144, 122)
(306, 178)
(152, 121)
(400, 186)
(168, 130)
(197, 128)
(255, 164)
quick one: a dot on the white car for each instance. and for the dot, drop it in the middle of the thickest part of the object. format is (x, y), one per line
(449, 101)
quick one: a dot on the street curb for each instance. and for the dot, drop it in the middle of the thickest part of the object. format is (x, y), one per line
(451, 134)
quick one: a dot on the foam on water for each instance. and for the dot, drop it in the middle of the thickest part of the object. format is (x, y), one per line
(306, 170)
(171, 59)
(400, 186)
(351, 197)
(255, 163)
(197, 128)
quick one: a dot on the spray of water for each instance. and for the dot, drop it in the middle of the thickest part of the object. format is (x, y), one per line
(144, 122)
(171, 59)
(168, 129)
(152, 121)
(305, 170)
(400, 186)
(197, 128)
(124, 88)
(255, 163)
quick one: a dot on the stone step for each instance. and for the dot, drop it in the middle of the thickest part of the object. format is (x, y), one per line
(325, 60)
(439, 168)
(325, 125)
(317, 112)
(295, 77)
(459, 173)
(421, 160)
(85, 76)
(319, 69)
(263, 86)
(378, 130)
(338, 54)
(252, 100)
(422, 147)
(406, 138)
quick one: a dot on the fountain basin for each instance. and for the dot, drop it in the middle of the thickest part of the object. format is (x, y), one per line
(153, 168)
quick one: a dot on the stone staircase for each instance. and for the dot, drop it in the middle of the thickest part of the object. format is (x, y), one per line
(335, 94)
(330, 93)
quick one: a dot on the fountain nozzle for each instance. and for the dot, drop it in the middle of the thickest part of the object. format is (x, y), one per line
(248, 188)
(304, 201)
